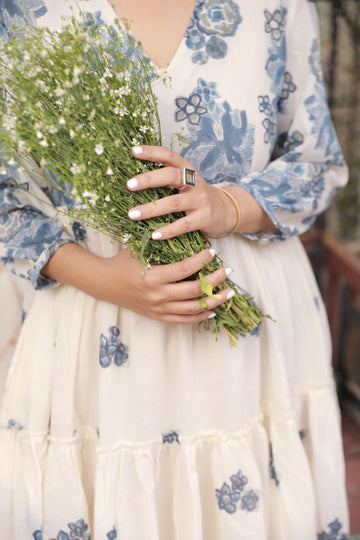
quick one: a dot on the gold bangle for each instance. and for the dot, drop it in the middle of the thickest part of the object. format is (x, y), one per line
(238, 215)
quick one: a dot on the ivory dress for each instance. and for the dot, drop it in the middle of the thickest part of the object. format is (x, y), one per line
(116, 426)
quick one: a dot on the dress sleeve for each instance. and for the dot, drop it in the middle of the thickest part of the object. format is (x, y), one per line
(30, 227)
(307, 166)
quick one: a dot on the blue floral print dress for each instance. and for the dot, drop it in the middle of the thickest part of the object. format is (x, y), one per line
(115, 426)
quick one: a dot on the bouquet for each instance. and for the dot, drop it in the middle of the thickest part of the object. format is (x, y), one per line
(74, 103)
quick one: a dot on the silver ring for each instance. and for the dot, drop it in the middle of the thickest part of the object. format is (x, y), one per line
(188, 178)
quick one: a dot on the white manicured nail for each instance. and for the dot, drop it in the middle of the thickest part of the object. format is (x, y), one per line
(156, 235)
(134, 214)
(137, 150)
(230, 295)
(228, 271)
(213, 252)
(211, 315)
(132, 183)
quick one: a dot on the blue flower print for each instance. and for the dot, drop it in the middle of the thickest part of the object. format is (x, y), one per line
(227, 499)
(322, 126)
(275, 23)
(212, 21)
(265, 105)
(93, 19)
(315, 61)
(216, 47)
(78, 230)
(207, 92)
(275, 65)
(112, 535)
(288, 88)
(77, 531)
(200, 57)
(112, 349)
(334, 533)
(19, 12)
(268, 108)
(171, 437)
(221, 146)
(270, 130)
(249, 501)
(238, 481)
(13, 424)
(218, 17)
(189, 109)
(195, 39)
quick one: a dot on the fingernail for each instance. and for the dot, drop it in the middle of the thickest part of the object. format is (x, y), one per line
(134, 214)
(228, 271)
(230, 294)
(156, 235)
(137, 150)
(132, 183)
(211, 315)
(213, 252)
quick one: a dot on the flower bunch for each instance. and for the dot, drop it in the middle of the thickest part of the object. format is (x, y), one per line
(75, 103)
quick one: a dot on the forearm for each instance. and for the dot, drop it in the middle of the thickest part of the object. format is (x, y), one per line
(74, 265)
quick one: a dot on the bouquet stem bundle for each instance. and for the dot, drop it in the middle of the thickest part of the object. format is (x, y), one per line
(75, 102)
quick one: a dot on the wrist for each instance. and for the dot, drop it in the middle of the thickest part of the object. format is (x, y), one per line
(233, 215)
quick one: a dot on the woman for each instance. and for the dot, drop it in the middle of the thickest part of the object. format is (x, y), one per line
(184, 438)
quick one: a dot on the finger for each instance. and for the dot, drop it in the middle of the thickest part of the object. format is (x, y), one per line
(186, 290)
(181, 270)
(166, 176)
(160, 154)
(184, 319)
(194, 307)
(166, 205)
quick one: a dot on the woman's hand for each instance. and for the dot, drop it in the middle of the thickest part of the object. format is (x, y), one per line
(157, 292)
(206, 209)
(160, 292)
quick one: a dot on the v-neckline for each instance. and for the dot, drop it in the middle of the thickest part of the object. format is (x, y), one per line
(178, 49)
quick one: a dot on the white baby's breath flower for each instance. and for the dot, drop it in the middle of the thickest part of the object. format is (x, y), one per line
(107, 198)
(62, 121)
(43, 53)
(52, 130)
(12, 162)
(76, 169)
(92, 197)
(99, 149)
(77, 72)
(39, 135)
(3, 171)
(44, 143)
(59, 92)
(109, 172)
(22, 146)
(72, 134)
(8, 122)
